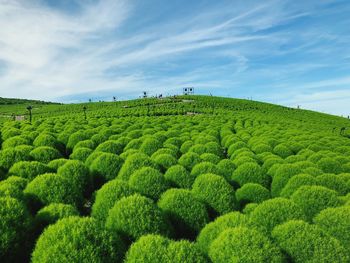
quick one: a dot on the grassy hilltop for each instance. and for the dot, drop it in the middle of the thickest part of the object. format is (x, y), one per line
(180, 179)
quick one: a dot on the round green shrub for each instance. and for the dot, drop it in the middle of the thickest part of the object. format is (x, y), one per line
(282, 150)
(80, 154)
(216, 192)
(213, 229)
(313, 199)
(92, 157)
(53, 212)
(249, 208)
(78, 174)
(15, 226)
(250, 173)
(178, 176)
(303, 242)
(335, 221)
(85, 144)
(29, 170)
(262, 148)
(76, 137)
(204, 168)
(210, 157)
(164, 161)
(333, 182)
(156, 248)
(198, 149)
(189, 160)
(185, 147)
(55, 164)
(15, 141)
(136, 216)
(329, 165)
(77, 239)
(273, 212)
(243, 160)
(252, 193)
(110, 146)
(281, 177)
(106, 166)
(48, 140)
(45, 154)
(187, 214)
(107, 196)
(149, 182)
(295, 182)
(226, 168)
(10, 156)
(242, 244)
(133, 163)
(52, 188)
(13, 186)
(150, 146)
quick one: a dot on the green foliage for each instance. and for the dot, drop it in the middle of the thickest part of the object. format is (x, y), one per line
(110, 146)
(189, 160)
(308, 243)
(273, 212)
(133, 163)
(156, 248)
(252, 193)
(150, 146)
(226, 168)
(212, 230)
(333, 182)
(178, 176)
(187, 214)
(55, 164)
(281, 177)
(80, 154)
(250, 173)
(48, 140)
(136, 216)
(329, 165)
(45, 154)
(52, 188)
(106, 166)
(14, 229)
(10, 156)
(216, 192)
(53, 212)
(107, 196)
(313, 199)
(335, 221)
(15, 141)
(149, 182)
(282, 150)
(295, 182)
(164, 161)
(29, 170)
(242, 244)
(204, 168)
(76, 239)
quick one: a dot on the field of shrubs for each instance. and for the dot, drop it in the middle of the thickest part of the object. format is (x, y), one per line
(203, 179)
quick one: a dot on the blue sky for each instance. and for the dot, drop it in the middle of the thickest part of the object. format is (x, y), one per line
(285, 52)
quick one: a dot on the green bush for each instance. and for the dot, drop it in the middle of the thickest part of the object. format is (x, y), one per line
(178, 176)
(164, 161)
(273, 212)
(156, 248)
(29, 170)
(186, 146)
(10, 156)
(53, 212)
(133, 163)
(135, 216)
(187, 214)
(329, 165)
(45, 154)
(295, 182)
(149, 182)
(92, 157)
(107, 196)
(15, 226)
(333, 182)
(335, 221)
(198, 149)
(262, 148)
(15, 141)
(78, 174)
(252, 193)
(76, 137)
(13, 186)
(106, 166)
(52, 188)
(204, 168)
(55, 164)
(76, 239)
(189, 160)
(281, 177)
(313, 199)
(282, 150)
(249, 208)
(210, 157)
(242, 244)
(150, 146)
(110, 146)
(80, 154)
(226, 168)
(48, 140)
(216, 192)
(250, 173)
(85, 144)
(308, 243)
(212, 230)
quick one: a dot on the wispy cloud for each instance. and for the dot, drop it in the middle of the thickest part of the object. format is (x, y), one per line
(107, 47)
